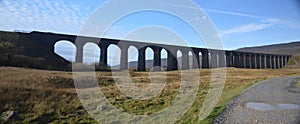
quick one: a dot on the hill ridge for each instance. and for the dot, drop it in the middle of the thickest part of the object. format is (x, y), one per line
(291, 48)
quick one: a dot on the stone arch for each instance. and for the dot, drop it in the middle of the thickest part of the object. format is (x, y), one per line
(254, 61)
(209, 59)
(113, 56)
(205, 59)
(258, 61)
(66, 49)
(263, 61)
(248, 60)
(272, 57)
(213, 59)
(281, 61)
(228, 58)
(200, 59)
(278, 62)
(179, 59)
(218, 60)
(163, 58)
(195, 59)
(235, 59)
(190, 57)
(268, 61)
(222, 59)
(149, 57)
(244, 60)
(91, 53)
(156, 58)
(133, 57)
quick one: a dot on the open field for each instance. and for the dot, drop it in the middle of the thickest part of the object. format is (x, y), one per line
(39, 96)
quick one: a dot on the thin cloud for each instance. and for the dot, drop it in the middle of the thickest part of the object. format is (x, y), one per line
(179, 6)
(245, 28)
(264, 24)
(233, 13)
(215, 11)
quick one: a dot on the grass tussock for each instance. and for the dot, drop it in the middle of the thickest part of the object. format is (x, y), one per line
(39, 96)
(294, 62)
(298, 84)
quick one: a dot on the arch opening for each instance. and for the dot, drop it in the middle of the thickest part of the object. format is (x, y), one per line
(66, 50)
(163, 56)
(200, 59)
(113, 56)
(132, 57)
(190, 57)
(179, 59)
(91, 53)
(149, 57)
(209, 60)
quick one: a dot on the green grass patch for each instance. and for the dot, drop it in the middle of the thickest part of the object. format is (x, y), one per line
(298, 84)
(293, 60)
(228, 95)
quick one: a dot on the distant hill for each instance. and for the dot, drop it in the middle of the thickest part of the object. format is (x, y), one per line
(292, 48)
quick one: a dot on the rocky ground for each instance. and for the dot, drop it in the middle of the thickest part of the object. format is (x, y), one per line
(269, 102)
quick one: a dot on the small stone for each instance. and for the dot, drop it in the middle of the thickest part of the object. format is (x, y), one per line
(103, 108)
(9, 115)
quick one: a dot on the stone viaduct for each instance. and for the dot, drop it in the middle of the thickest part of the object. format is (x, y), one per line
(201, 57)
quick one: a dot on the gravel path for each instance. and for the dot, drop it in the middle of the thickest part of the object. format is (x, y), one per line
(268, 102)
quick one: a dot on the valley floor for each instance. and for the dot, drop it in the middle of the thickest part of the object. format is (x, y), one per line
(39, 96)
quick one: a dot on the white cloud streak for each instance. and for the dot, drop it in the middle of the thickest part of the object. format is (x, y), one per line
(215, 11)
(245, 28)
(233, 13)
(264, 24)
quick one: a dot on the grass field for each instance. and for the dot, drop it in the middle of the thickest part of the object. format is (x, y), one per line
(298, 84)
(39, 96)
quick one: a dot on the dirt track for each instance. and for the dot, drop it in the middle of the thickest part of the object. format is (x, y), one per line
(269, 102)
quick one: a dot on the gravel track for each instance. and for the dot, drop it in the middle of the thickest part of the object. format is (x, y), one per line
(268, 102)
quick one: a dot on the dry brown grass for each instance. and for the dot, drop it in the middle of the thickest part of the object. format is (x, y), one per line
(49, 96)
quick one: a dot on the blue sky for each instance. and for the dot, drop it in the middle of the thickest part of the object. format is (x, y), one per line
(240, 23)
